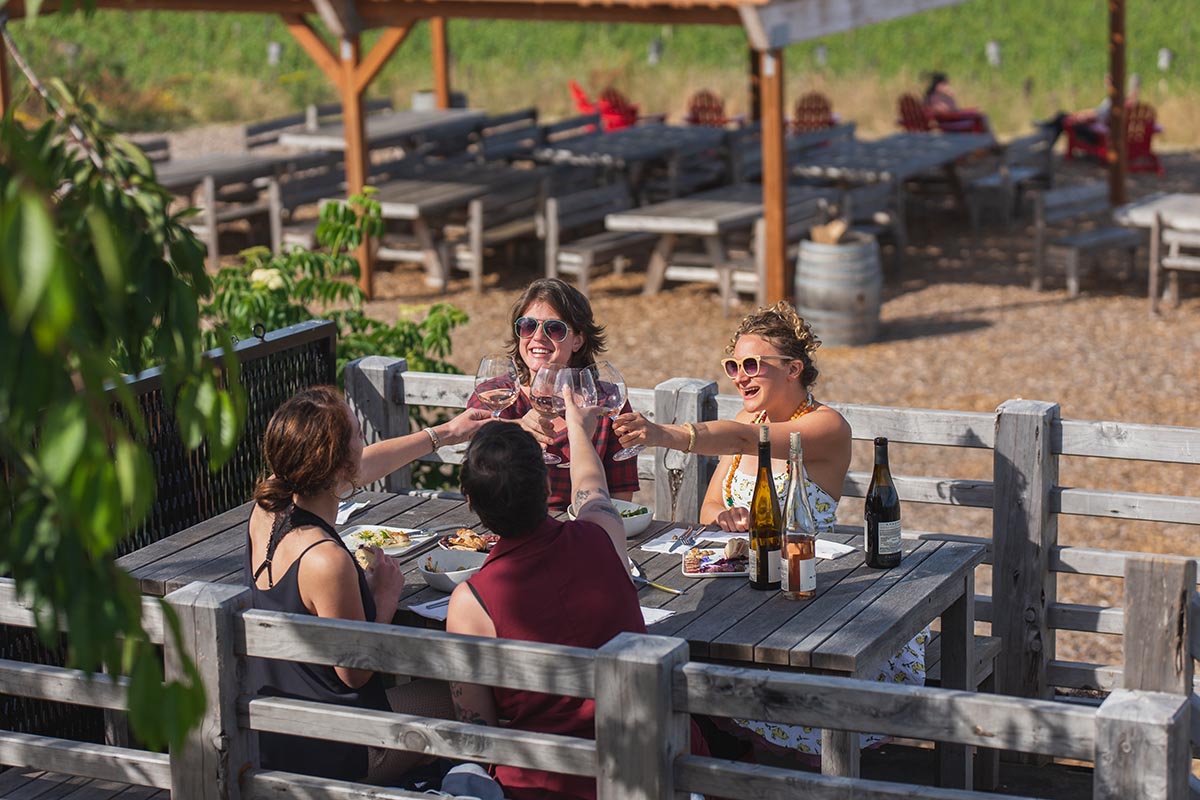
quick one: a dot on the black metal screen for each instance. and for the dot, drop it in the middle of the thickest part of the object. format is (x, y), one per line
(274, 367)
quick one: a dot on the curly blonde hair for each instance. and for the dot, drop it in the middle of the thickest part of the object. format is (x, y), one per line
(785, 329)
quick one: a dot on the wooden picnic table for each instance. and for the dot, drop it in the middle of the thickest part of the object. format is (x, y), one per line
(1176, 210)
(893, 158)
(860, 616)
(631, 150)
(393, 128)
(710, 216)
(183, 175)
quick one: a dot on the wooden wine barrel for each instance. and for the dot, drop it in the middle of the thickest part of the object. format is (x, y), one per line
(839, 288)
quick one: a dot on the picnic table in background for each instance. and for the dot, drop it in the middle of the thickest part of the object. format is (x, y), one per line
(860, 616)
(402, 128)
(1173, 220)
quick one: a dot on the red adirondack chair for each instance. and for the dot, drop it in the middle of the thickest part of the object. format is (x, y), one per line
(913, 116)
(616, 111)
(1140, 126)
(813, 112)
(707, 110)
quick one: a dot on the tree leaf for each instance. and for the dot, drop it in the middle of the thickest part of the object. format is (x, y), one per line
(38, 257)
(64, 437)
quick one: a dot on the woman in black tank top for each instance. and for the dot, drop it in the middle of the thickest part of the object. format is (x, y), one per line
(296, 563)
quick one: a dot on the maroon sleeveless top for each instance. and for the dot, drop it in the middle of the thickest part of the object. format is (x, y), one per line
(561, 584)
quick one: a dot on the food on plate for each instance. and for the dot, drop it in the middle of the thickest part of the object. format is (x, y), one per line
(634, 512)
(737, 548)
(384, 537)
(467, 539)
(366, 556)
(710, 562)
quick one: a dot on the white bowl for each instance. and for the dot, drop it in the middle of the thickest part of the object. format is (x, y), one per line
(633, 525)
(450, 567)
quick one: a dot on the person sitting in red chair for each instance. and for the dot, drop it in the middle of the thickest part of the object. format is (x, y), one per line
(940, 103)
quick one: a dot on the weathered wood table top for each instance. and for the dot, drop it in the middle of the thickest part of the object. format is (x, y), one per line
(414, 198)
(1178, 210)
(390, 128)
(893, 158)
(180, 175)
(628, 146)
(708, 213)
(859, 617)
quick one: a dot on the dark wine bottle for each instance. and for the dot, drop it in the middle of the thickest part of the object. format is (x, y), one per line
(881, 517)
(799, 562)
(766, 521)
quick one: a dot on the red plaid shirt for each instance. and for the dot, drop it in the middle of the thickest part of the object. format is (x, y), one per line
(622, 476)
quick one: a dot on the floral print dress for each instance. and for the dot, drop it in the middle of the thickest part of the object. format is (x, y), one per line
(906, 666)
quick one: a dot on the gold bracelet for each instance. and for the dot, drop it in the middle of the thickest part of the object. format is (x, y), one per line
(433, 437)
(691, 429)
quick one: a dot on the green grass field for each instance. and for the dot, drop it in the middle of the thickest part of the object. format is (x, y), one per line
(171, 70)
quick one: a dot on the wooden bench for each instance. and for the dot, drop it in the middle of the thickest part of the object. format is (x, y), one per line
(745, 147)
(876, 209)
(1071, 204)
(571, 126)
(287, 196)
(510, 136)
(1182, 246)
(581, 212)
(987, 650)
(1026, 163)
(262, 134)
(504, 215)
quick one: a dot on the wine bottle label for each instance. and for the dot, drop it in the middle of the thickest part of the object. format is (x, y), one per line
(808, 576)
(752, 564)
(773, 563)
(889, 537)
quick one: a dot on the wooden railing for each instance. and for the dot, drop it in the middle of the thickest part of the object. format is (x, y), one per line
(644, 688)
(1026, 437)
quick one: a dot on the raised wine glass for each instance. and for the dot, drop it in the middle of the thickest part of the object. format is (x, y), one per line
(612, 397)
(580, 384)
(496, 382)
(543, 396)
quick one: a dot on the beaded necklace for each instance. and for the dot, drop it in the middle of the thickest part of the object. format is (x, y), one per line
(808, 405)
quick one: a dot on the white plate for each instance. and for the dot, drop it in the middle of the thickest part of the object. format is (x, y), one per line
(633, 525)
(352, 539)
(717, 553)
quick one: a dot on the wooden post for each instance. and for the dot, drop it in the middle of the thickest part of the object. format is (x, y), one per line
(1157, 651)
(441, 61)
(774, 177)
(1116, 154)
(639, 734)
(1142, 747)
(1024, 471)
(216, 752)
(356, 146)
(755, 87)
(680, 480)
(375, 390)
(956, 761)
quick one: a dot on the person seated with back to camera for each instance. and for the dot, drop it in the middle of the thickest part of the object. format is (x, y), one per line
(939, 100)
(519, 591)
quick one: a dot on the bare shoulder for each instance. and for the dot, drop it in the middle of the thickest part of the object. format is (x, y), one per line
(830, 421)
(327, 560)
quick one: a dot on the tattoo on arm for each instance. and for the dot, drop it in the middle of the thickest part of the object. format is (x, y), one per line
(597, 501)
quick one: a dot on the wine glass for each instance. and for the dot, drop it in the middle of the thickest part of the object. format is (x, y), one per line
(543, 396)
(580, 384)
(496, 382)
(613, 397)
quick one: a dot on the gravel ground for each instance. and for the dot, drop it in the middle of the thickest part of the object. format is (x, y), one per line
(961, 330)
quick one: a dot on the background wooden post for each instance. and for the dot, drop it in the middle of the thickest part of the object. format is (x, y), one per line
(774, 177)
(680, 480)
(439, 43)
(353, 125)
(1158, 590)
(755, 79)
(217, 751)
(638, 732)
(1142, 747)
(375, 389)
(1116, 154)
(1024, 471)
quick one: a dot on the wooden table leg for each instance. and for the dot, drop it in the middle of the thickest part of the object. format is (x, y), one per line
(840, 753)
(437, 270)
(656, 270)
(955, 761)
(720, 261)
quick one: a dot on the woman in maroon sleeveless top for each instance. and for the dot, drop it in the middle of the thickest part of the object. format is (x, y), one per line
(519, 593)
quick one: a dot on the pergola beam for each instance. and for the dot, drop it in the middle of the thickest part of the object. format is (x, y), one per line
(312, 43)
(1116, 154)
(774, 175)
(441, 61)
(340, 16)
(381, 51)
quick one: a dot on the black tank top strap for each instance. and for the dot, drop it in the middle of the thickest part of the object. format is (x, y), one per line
(293, 517)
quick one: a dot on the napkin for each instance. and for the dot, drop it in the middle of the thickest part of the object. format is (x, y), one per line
(434, 609)
(663, 542)
(828, 549)
(653, 615)
(347, 509)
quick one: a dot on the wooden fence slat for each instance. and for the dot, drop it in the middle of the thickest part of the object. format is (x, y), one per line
(438, 737)
(433, 389)
(760, 782)
(99, 761)
(375, 389)
(638, 732)
(417, 652)
(1023, 533)
(1157, 653)
(918, 712)
(919, 489)
(1082, 675)
(217, 750)
(1090, 619)
(63, 685)
(1126, 505)
(13, 612)
(972, 429)
(260, 784)
(680, 480)
(1127, 440)
(1142, 747)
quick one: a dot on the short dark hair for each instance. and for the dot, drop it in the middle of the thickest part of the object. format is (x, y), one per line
(504, 477)
(575, 310)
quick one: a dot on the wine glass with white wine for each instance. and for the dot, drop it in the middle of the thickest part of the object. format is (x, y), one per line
(612, 391)
(496, 382)
(580, 384)
(543, 396)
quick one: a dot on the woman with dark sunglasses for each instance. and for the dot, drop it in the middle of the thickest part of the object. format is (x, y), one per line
(770, 363)
(552, 323)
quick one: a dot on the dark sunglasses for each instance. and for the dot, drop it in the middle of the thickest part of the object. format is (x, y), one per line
(555, 329)
(750, 365)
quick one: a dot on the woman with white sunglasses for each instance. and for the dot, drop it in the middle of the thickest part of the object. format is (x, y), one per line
(552, 324)
(771, 365)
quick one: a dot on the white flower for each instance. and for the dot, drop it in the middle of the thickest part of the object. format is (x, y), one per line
(267, 278)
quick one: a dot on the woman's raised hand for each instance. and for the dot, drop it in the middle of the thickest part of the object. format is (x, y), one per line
(464, 426)
(540, 426)
(734, 519)
(633, 429)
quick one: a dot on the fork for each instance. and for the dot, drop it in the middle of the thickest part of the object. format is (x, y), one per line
(688, 538)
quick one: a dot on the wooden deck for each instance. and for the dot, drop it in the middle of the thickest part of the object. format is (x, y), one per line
(18, 783)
